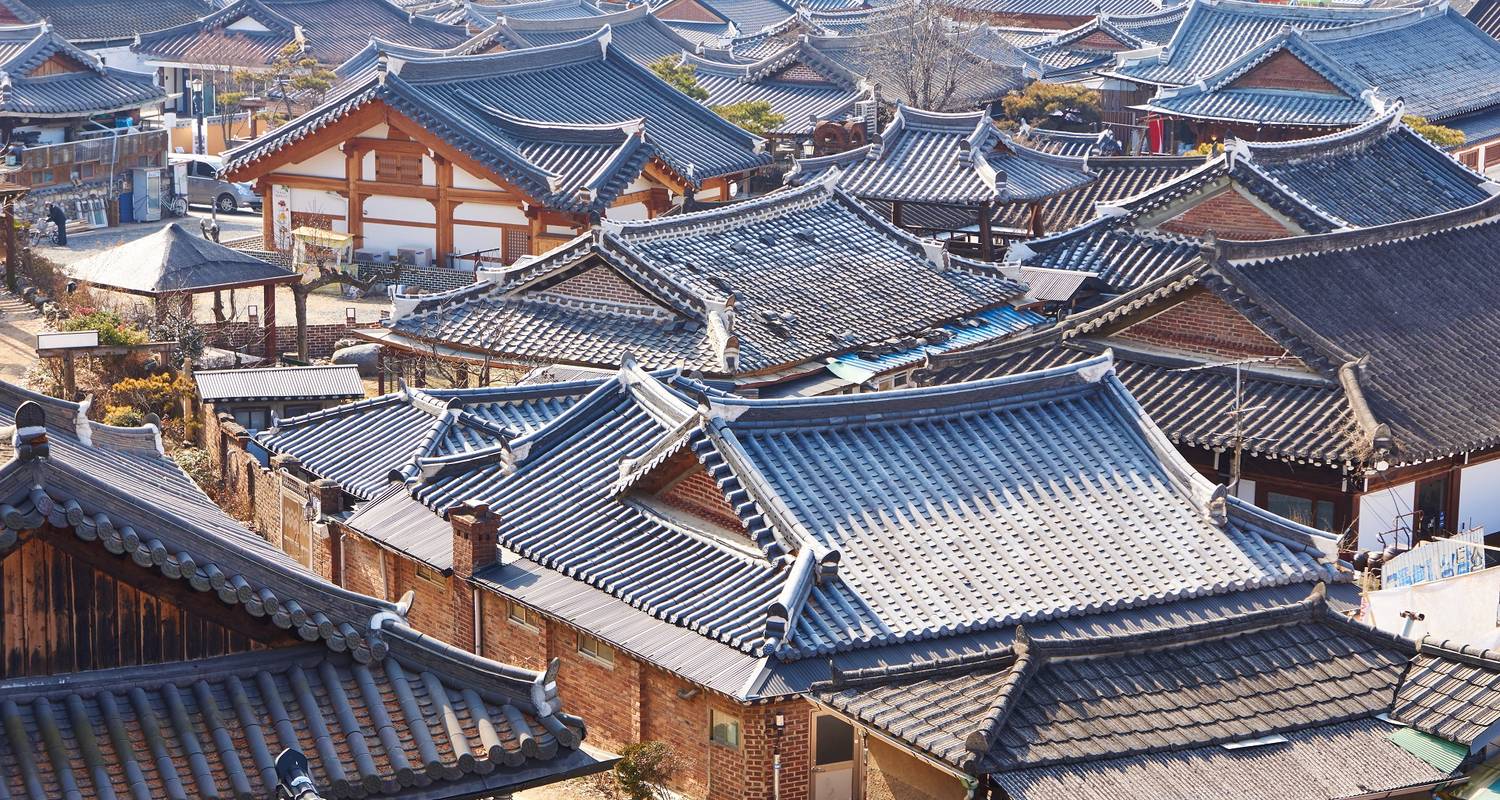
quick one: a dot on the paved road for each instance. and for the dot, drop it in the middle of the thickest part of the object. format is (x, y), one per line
(322, 307)
(19, 325)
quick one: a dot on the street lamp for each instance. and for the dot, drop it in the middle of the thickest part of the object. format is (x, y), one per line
(198, 140)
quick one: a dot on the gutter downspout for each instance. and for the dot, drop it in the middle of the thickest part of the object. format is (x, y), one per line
(776, 777)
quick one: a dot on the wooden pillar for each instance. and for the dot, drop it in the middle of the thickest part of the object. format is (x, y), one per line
(380, 370)
(10, 244)
(896, 213)
(461, 375)
(354, 211)
(272, 354)
(444, 208)
(69, 377)
(986, 235)
(267, 213)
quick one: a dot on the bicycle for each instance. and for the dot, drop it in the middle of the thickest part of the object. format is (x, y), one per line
(175, 204)
(44, 232)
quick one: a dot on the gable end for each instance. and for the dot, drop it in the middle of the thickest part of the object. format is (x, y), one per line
(1202, 323)
(1286, 71)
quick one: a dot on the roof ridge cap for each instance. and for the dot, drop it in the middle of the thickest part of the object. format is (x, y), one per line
(1236, 252)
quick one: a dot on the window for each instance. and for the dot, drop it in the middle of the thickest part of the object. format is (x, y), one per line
(595, 649)
(253, 419)
(299, 410)
(1312, 513)
(523, 616)
(723, 729)
(398, 168)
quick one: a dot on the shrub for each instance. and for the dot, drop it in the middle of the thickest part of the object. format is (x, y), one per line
(123, 416)
(644, 769)
(113, 330)
(159, 394)
(1065, 104)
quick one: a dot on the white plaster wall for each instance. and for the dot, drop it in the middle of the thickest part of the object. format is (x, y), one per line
(327, 164)
(708, 194)
(472, 238)
(1246, 491)
(631, 211)
(315, 201)
(561, 230)
(486, 212)
(463, 179)
(380, 236)
(121, 57)
(429, 172)
(408, 209)
(1479, 496)
(367, 166)
(1381, 510)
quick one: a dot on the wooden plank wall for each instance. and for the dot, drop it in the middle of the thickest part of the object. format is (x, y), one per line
(71, 606)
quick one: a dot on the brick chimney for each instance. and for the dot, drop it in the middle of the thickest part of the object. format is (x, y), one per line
(475, 534)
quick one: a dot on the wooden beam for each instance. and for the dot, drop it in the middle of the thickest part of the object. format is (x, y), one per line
(444, 208)
(327, 137)
(314, 182)
(402, 146)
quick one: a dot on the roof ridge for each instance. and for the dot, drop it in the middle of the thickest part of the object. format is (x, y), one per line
(1235, 252)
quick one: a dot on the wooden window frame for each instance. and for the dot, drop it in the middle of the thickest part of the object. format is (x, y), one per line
(527, 618)
(732, 722)
(592, 647)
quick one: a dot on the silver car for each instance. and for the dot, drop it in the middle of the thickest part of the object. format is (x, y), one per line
(205, 187)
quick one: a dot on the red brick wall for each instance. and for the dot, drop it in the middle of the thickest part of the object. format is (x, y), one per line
(431, 609)
(362, 565)
(1228, 215)
(697, 494)
(600, 283)
(1285, 71)
(1202, 323)
(1099, 40)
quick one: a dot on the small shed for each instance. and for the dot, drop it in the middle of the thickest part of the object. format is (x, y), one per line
(174, 263)
(256, 398)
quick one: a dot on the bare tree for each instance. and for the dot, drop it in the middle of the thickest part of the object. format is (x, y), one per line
(319, 277)
(922, 54)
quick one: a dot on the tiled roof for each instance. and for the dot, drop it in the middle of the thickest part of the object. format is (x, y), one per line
(358, 444)
(332, 31)
(1373, 174)
(1340, 760)
(1452, 691)
(173, 260)
(1477, 128)
(953, 159)
(732, 291)
(1153, 27)
(1301, 417)
(1063, 143)
(1432, 59)
(92, 88)
(1213, 33)
(1118, 178)
(324, 381)
(577, 150)
(90, 21)
(1217, 97)
(1058, 8)
(1122, 257)
(536, 9)
(747, 16)
(68, 735)
(1053, 703)
(909, 463)
(635, 32)
(1338, 302)
(1066, 53)
(780, 80)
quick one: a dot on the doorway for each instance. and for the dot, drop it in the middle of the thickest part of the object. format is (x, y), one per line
(833, 758)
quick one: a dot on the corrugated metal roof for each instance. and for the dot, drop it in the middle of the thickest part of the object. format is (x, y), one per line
(1443, 755)
(325, 382)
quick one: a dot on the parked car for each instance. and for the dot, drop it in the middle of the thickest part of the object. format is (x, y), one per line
(205, 187)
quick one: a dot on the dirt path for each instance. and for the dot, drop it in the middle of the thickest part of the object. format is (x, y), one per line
(19, 325)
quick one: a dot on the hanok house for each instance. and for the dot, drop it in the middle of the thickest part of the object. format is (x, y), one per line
(1133, 715)
(252, 34)
(1376, 173)
(153, 647)
(744, 293)
(1330, 71)
(1308, 369)
(710, 583)
(73, 126)
(958, 161)
(470, 161)
(105, 27)
(257, 398)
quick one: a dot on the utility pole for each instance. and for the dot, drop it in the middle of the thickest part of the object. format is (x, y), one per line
(1238, 410)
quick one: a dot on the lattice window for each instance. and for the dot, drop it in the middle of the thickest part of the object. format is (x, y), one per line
(398, 168)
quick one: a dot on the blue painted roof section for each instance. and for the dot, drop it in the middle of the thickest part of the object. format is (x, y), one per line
(982, 328)
(1213, 33)
(956, 159)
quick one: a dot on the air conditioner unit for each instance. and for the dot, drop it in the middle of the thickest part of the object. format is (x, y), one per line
(381, 257)
(414, 257)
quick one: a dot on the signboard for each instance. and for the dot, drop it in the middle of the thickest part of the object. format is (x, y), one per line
(1430, 561)
(67, 340)
(281, 216)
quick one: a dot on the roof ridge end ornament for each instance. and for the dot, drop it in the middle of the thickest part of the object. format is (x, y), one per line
(606, 35)
(29, 435)
(1218, 505)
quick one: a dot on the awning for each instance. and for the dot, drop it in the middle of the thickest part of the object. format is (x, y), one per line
(323, 238)
(1443, 755)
